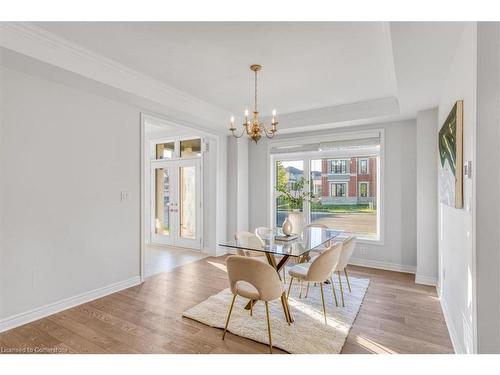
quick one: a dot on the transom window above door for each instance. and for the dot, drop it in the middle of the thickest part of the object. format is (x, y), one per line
(176, 149)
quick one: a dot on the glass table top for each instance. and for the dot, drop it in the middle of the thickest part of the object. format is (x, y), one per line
(310, 238)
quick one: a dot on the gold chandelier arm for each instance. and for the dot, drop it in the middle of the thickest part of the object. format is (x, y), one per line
(269, 133)
(241, 134)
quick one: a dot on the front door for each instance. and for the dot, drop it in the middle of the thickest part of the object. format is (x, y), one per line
(176, 203)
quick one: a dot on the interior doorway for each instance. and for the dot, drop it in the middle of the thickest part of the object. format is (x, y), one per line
(172, 204)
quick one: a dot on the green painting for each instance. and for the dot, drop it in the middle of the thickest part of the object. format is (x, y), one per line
(451, 158)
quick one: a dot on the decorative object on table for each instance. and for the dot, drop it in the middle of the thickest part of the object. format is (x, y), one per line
(307, 334)
(289, 237)
(287, 227)
(293, 194)
(255, 129)
(451, 158)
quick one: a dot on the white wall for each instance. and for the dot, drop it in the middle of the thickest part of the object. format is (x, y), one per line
(488, 187)
(66, 156)
(237, 183)
(456, 258)
(398, 251)
(69, 147)
(427, 200)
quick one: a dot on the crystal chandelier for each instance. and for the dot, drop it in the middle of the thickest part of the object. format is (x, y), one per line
(254, 128)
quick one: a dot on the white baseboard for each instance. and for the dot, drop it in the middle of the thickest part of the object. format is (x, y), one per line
(457, 345)
(55, 307)
(382, 265)
(425, 280)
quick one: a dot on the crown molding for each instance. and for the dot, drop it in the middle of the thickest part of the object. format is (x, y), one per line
(32, 41)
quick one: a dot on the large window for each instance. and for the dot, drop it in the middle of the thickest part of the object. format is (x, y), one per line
(344, 186)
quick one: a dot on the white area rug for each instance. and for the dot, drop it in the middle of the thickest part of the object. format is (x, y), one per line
(307, 334)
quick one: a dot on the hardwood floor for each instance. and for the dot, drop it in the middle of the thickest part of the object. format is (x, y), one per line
(397, 316)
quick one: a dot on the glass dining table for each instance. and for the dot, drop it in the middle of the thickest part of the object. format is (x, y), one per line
(275, 244)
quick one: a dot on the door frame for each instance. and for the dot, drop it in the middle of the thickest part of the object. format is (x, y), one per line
(145, 174)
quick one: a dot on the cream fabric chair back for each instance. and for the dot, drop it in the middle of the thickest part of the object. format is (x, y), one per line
(264, 232)
(325, 263)
(248, 239)
(348, 246)
(260, 275)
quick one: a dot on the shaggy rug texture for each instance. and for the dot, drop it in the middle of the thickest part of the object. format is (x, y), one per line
(307, 334)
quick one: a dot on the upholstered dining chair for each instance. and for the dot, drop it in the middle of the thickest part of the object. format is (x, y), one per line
(348, 245)
(318, 271)
(267, 233)
(320, 249)
(250, 278)
(251, 240)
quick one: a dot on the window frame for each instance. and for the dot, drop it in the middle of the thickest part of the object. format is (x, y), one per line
(346, 189)
(307, 156)
(367, 166)
(367, 189)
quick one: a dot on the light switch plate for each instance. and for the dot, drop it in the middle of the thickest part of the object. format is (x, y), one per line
(124, 195)
(468, 169)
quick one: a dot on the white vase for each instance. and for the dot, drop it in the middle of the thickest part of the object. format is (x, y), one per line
(297, 220)
(287, 227)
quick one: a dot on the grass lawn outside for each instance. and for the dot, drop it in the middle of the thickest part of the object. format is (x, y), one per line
(342, 208)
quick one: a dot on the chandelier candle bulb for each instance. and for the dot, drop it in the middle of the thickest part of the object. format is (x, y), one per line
(231, 127)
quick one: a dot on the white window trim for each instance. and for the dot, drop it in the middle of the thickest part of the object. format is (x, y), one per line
(307, 156)
(367, 189)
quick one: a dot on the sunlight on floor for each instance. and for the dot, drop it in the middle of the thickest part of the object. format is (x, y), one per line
(315, 313)
(220, 266)
(372, 346)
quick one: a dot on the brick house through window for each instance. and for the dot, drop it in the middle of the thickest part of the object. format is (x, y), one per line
(347, 180)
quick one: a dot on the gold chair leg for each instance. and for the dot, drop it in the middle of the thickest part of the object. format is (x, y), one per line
(307, 291)
(347, 279)
(341, 289)
(251, 307)
(300, 294)
(228, 316)
(269, 329)
(289, 287)
(284, 275)
(323, 300)
(334, 293)
(285, 310)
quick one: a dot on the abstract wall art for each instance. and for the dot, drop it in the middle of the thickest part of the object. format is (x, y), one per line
(451, 158)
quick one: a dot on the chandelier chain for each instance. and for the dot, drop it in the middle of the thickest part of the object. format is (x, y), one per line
(255, 99)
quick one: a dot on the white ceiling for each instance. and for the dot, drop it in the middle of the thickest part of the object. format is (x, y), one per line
(306, 65)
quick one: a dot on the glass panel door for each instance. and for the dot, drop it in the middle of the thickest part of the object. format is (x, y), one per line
(176, 203)
(163, 206)
(189, 204)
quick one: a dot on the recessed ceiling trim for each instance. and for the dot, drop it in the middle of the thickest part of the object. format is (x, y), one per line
(341, 113)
